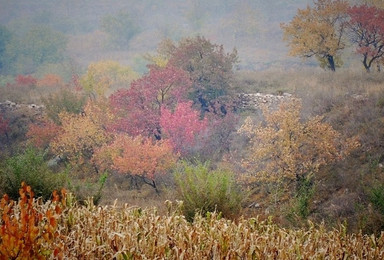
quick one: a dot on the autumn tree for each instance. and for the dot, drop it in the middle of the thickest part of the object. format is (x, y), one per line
(366, 31)
(210, 68)
(41, 134)
(182, 126)
(159, 59)
(318, 31)
(81, 134)
(139, 107)
(137, 156)
(103, 76)
(285, 149)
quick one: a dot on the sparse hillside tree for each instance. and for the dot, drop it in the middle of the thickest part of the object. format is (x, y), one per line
(366, 31)
(318, 31)
(4, 126)
(41, 134)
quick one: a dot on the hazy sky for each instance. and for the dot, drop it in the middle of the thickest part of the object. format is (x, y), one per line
(252, 26)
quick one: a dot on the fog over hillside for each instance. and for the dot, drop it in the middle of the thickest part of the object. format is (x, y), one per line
(252, 26)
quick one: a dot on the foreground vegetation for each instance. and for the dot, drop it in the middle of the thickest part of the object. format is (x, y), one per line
(61, 229)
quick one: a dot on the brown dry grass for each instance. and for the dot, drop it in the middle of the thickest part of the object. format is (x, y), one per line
(110, 232)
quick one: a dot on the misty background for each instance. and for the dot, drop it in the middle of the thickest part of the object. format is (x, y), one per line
(91, 30)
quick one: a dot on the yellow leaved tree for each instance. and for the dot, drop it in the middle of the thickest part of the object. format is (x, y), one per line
(318, 31)
(286, 150)
(82, 133)
(105, 76)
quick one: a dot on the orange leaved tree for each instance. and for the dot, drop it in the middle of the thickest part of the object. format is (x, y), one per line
(138, 157)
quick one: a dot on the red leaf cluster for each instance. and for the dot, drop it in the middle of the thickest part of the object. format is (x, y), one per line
(139, 107)
(40, 135)
(182, 126)
(25, 80)
(367, 32)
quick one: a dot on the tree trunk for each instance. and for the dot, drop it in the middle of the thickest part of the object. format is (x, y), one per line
(150, 182)
(366, 64)
(331, 62)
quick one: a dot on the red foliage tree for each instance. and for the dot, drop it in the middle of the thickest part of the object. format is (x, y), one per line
(182, 127)
(366, 27)
(139, 107)
(40, 135)
(25, 80)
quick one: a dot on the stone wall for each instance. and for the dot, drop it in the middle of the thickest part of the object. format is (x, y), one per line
(256, 100)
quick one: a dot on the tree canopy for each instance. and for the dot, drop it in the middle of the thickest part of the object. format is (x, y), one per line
(318, 31)
(210, 68)
(366, 31)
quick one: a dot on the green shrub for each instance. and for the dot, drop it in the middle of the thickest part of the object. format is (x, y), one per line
(31, 168)
(304, 193)
(376, 197)
(203, 190)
